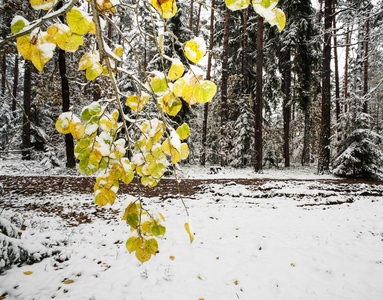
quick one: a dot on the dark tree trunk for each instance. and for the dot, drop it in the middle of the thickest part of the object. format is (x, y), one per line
(337, 86)
(324, 150)
(244, 56)
(69, 145)
(206, 105)
(26, 145)
(191, 15)
(345, 82)
(287, 110)
(4, 73)
(15, 82)
(198, 19)
(224, 108)
(365, 64)
(258, 98)
(306, 140)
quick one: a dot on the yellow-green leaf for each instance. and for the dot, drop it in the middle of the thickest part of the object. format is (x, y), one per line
(166, 8)
(18, 23)
(158, 231)
(69, 41)
(77, 22)
(158, 83)
(184, 151)
(183, 131)
(133, 243)
(94, 71)
(151, 246)
(205, 91)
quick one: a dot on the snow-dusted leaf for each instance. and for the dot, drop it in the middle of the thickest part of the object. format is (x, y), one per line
(237, 4)
(195, 49)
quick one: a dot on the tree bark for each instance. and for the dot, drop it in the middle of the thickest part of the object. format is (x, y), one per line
(26, 137)
(287, 110)
(15, 82)
(306, 140)
(258, 98)
(208, 72)
(4, 73)
(198, 19)
(324, 150)
(225, 73)
(69, 145)
(345, 81)
(337, 86)
(365, 64)
(244, 55)
(191, 15)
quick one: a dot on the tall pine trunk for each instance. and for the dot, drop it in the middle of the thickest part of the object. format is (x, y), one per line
(198, 20)
(258, 98)
(365, 63)
(15, 82)
(306, 140)
(208, 72)
(4, 73)
(324, 150)
(287, 110)
(26, 136)
(337, 85)
(191, 15)
(245, 78)
(345, 78)
(225, 73)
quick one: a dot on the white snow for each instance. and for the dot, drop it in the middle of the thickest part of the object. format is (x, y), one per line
(251, 242)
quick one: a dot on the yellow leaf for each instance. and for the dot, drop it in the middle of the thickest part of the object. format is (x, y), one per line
(69, 41)
(187, 228)
(142, 255)
(24, 47)
(176, 70)
(28, 272)
(205, 91)
(171, 257)
(77, 22)
(94, 71)
(178, 87)
(68, 281)
(42, 4)
(237, 4)
(187, 94)
(158, 82)
(184, 151)
(166, 8)
(62, 126)
(133, 243)
(105, 124)
(195, 49)
(137, 103)
(41, 57)
(92, 28)
(118, 50)
(77, 130)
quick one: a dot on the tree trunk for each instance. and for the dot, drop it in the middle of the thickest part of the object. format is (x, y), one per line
(26, 145)
(69, 145)
(337, 88)
(225, 73)
(287, 110)
(345, 81)
(365, 64)
(15, 82)
(206, 105)
(198, 19)
(244, 55)
(324, 150)
(306, 140)
(258, 98)
(4, 73)
(191, 15)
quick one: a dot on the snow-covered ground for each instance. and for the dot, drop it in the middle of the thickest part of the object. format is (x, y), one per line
(291, 244)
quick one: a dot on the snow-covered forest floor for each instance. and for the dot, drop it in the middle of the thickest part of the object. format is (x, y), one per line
(277, 239)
